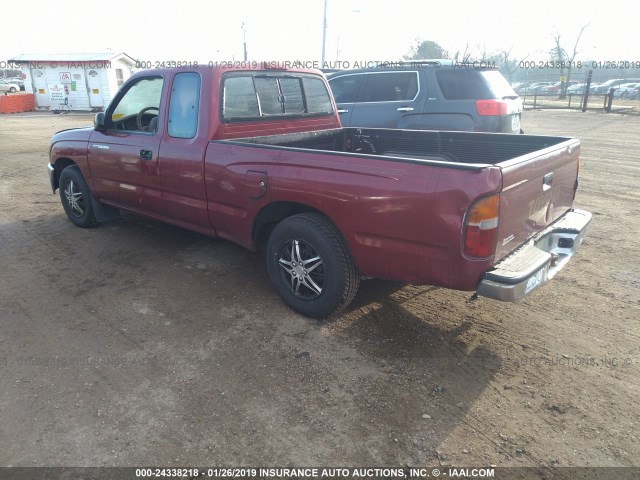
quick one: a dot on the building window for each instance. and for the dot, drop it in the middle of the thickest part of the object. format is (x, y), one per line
(119, 77)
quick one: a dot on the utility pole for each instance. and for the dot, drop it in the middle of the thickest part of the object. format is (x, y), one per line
(244, 39)
(324, 32)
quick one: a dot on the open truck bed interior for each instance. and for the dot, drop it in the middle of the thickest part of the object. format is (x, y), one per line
(462, 148)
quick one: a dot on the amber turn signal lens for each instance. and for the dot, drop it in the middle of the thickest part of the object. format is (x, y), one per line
(481, 227)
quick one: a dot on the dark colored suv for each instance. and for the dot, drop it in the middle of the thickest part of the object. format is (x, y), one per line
(427, 95)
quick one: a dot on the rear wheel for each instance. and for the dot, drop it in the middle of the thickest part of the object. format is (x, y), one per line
(310, 265)
(76, 197)
(12, 90)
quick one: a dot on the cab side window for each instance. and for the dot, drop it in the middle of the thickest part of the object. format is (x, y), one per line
(137, 110)
(184, 105)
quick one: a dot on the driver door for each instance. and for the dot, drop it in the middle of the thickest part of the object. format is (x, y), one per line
(123, 156)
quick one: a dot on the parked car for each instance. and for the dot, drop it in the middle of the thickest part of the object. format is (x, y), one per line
(517, 86)
(6, 86)
(555, 88)
(433, 95)
(578, 89)
(625, 89)
(17, 81)
(223, 152)
(593, 87)
(536, 87)
(634, 94)
(605, 87)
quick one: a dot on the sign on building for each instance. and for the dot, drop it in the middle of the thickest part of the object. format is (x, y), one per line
(56, 93)
(65, 77)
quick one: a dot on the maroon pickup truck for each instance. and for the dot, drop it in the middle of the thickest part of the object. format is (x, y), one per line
(258, 157)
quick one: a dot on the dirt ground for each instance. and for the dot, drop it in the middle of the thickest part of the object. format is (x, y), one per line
(137, 343)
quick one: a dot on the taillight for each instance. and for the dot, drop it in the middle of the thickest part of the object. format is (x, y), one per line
(575, 184)
(491, 107)
(481, 227)
(578, 172)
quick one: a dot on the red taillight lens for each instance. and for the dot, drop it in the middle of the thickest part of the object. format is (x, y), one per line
(491, 107)
(481, 227)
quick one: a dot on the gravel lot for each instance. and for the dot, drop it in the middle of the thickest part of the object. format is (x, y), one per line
(137, 343)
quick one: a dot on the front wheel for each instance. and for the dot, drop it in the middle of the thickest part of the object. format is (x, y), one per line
(76, 197)
(12, 90)
(310, 265)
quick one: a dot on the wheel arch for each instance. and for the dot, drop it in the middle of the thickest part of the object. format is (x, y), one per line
(272, 214)
(59, 165)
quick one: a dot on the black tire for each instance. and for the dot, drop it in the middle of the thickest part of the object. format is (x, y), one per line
(304, 237)
(76, 197)
(12, 90)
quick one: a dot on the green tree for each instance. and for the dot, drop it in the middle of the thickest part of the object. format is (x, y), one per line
(424, 49)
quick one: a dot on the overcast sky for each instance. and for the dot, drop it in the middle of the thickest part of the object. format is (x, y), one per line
(357, 30)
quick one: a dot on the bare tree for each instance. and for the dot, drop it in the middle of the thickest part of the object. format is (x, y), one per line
(509, 66)
(484, 55)
(565, 59)
(463, 57)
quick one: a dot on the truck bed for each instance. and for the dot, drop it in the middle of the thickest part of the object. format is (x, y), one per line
(460, 148)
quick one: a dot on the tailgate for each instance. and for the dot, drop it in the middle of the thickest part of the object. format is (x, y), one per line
(537, 189)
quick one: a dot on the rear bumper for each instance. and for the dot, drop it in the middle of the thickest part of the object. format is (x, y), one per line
(537, 261)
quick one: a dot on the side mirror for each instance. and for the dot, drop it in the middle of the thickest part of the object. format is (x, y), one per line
(98, 122)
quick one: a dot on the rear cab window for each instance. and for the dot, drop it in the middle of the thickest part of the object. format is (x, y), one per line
(255, 95)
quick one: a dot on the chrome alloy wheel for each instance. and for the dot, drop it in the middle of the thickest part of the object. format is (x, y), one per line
(75, 199)
(302, 269)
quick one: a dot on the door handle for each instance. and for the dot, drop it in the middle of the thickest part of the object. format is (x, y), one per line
(343, 110)
(405, 109)
(146, 154)
(547, 180)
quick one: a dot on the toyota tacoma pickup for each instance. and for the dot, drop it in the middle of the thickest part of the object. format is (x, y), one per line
(259, 157)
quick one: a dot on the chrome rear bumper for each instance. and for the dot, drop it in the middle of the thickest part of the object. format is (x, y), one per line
(537, 261)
